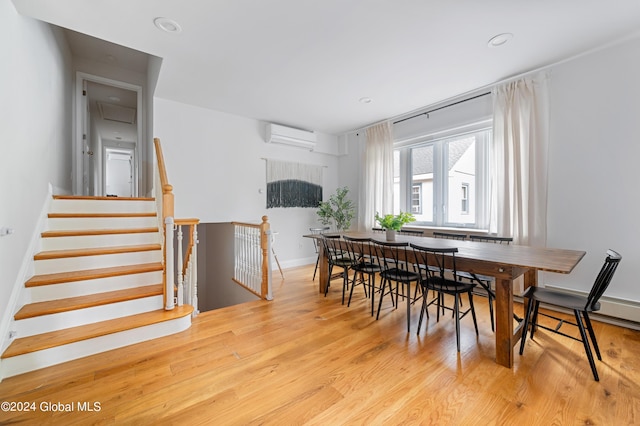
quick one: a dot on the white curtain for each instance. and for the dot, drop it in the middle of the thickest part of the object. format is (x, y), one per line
(376, 191)
(519, 170)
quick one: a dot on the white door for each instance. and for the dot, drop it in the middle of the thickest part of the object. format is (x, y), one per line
(118, 172)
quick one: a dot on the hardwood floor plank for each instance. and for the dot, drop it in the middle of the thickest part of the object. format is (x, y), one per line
(307, 359)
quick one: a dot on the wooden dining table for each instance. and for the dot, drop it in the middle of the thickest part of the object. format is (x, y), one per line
(504, 262)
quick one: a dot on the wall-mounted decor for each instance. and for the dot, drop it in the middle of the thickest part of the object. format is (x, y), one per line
(293, 184)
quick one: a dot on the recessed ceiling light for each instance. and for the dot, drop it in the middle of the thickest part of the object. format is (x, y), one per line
(365, 100)
(114, 98)
(500, 39)
(168, 25)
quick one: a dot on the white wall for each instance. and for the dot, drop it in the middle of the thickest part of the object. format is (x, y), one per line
(594, 157)
(215, 164)
(35, 135)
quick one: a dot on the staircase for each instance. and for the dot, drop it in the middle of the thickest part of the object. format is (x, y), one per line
(97, 284)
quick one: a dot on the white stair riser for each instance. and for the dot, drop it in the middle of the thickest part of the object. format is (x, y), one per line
(95, 241)
(52, 266)
(53, 322)
(34, 361)
(83, 288)
(82, 223)
(102, 206)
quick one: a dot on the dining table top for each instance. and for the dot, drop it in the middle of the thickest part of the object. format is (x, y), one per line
(540, 258)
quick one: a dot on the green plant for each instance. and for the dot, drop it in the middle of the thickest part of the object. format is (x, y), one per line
(338, 209)
(394, 222)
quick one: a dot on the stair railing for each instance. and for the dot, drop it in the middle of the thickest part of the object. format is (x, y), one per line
(252, 257)
(187, 268)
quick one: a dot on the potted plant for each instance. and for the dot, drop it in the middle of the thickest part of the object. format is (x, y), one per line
(393, 223)
(338, 209)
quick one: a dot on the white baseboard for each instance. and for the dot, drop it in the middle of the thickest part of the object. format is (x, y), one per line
(293, 263)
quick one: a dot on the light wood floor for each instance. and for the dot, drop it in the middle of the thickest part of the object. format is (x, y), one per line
(307, 359)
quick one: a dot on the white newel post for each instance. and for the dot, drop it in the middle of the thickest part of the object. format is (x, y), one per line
(168, 263)
(180, 276)
(194, 271)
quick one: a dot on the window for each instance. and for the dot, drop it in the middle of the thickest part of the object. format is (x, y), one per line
(443, 181)
(464, 195)
(416, 199)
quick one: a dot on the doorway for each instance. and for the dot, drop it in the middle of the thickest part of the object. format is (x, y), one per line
(119, 170)
(108, 115)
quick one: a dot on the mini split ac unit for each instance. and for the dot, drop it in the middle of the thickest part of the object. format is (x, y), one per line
(289, 136)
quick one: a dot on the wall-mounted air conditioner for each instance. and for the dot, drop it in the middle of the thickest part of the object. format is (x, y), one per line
(289, 136)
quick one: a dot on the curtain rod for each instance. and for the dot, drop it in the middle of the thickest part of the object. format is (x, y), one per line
(442, 107)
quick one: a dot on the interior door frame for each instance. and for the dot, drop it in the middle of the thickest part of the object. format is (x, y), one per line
(78, 140)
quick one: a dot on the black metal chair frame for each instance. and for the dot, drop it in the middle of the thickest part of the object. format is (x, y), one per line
(317, 231)
(437, 263)
(392, 257)
(580, 305)
(485, 280)
(411, 232)
(336, 256)
(449, 235)
(365, 262)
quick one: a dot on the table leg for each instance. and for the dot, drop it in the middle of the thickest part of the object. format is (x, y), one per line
(323, 266)
(504, 322)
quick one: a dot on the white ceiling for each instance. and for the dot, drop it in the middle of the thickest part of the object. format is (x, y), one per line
(307, 63)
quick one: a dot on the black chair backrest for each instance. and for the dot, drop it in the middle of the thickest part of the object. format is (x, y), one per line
(450, 235)
(442, 258)
(603, 279)
(318, 231)
(332, 248)
(491, 239)
(411, 232)
(361, 250)
(392, 254)
(377, 230)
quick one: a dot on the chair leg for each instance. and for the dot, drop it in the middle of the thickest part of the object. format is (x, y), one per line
(585, 342)
(456, 312)
(534, 318)
(408, 297)
(423, 309)
(587, 320)
(473, 312)
(527, 319)
(345, 281)
(316, 269)
(353, 284)
(382, 287)
(326, 289)
(372, 287)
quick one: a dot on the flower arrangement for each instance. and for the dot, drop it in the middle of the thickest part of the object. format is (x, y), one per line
(394, 222)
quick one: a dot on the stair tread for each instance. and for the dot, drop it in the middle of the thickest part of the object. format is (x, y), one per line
(98, 215)
(89, 274)
(60, 254)
(91, 197)
(53, 339)
(87, 232)
(32, 310)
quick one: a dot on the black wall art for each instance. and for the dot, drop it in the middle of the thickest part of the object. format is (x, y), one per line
(293, 184)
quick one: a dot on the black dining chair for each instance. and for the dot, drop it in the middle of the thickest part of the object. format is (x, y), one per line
(317, 231)
(336, 257)
(485, 281)
(440, 277)
(413, 232)
(450, 235)
(395, 269)
(580, 305)
(364, 262)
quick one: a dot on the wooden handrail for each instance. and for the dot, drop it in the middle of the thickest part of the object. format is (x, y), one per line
(167, 189)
